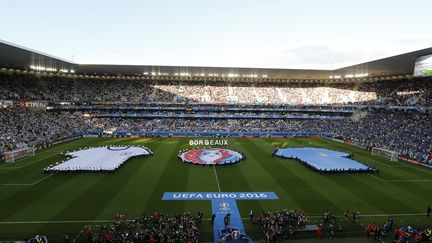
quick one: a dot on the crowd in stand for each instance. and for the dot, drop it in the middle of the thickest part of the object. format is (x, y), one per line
(22, 127)
(182, 227)
(407, 132)
(393, 92)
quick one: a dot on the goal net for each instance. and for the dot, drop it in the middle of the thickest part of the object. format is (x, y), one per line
(389, 154)
(11, 156)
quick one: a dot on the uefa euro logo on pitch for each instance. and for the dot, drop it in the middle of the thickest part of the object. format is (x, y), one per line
(224, 206)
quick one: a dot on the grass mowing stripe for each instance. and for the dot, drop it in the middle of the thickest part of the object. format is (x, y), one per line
(129, 198)
(305, 192)
(426, 180)
(260, 179)
(174, 178)
(242, 178)
(31, 184)
(30, 174)
(397, 167)
(26, 198)
(20, 167)
(77, 202)
(145, 181)
(376, 177)
(37, 154)
(82, 205)
(407, 190)
(341, 194)
(201, 179)
(20, 192)
(386, 174)
(40, 201)
(420, 168)
(375, 192)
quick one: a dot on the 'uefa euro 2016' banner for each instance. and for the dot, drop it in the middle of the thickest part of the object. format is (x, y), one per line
(224, 204)
(219, 195)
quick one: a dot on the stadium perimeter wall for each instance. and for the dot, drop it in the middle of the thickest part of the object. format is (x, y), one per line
(211, 134)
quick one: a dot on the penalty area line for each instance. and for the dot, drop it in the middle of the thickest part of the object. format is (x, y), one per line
(46, 177)
(379, 178)
(27, 164)
(49, 149)
(27, 184)
(414, 180)
(400, 180)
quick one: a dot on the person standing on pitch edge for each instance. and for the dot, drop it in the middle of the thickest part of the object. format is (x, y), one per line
(213, 219)
(429, 210)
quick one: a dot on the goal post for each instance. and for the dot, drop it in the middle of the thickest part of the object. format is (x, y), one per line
(389, 154)
(11, 156)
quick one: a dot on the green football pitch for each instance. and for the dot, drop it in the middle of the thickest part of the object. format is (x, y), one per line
(32, 202)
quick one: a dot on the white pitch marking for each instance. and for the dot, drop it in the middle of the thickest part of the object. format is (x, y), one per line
(217, 179)
(15, 168)
(61, 145)
(402, 180)
(379, 178)
(27, 184)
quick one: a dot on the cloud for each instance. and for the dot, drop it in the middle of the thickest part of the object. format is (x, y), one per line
(339, 54)
(309, 56)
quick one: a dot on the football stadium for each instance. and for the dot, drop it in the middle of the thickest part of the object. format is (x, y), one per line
(211, 153)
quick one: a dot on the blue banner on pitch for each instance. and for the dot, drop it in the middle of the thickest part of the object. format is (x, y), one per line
(220, 195)
(232, 229)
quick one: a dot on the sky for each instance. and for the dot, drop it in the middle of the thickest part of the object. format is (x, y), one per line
(311, 34)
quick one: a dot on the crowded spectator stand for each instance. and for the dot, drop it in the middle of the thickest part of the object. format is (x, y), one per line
(390, 114)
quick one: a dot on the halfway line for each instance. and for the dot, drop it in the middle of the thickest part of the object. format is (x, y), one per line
(217, 179)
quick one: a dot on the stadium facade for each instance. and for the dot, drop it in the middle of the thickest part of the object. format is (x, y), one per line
(131, 100)
(108, 113)
(19, 59)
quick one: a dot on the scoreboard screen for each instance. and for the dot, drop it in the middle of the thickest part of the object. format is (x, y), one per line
(423, 66)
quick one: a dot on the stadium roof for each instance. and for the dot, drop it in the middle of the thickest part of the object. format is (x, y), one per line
(14, 57)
